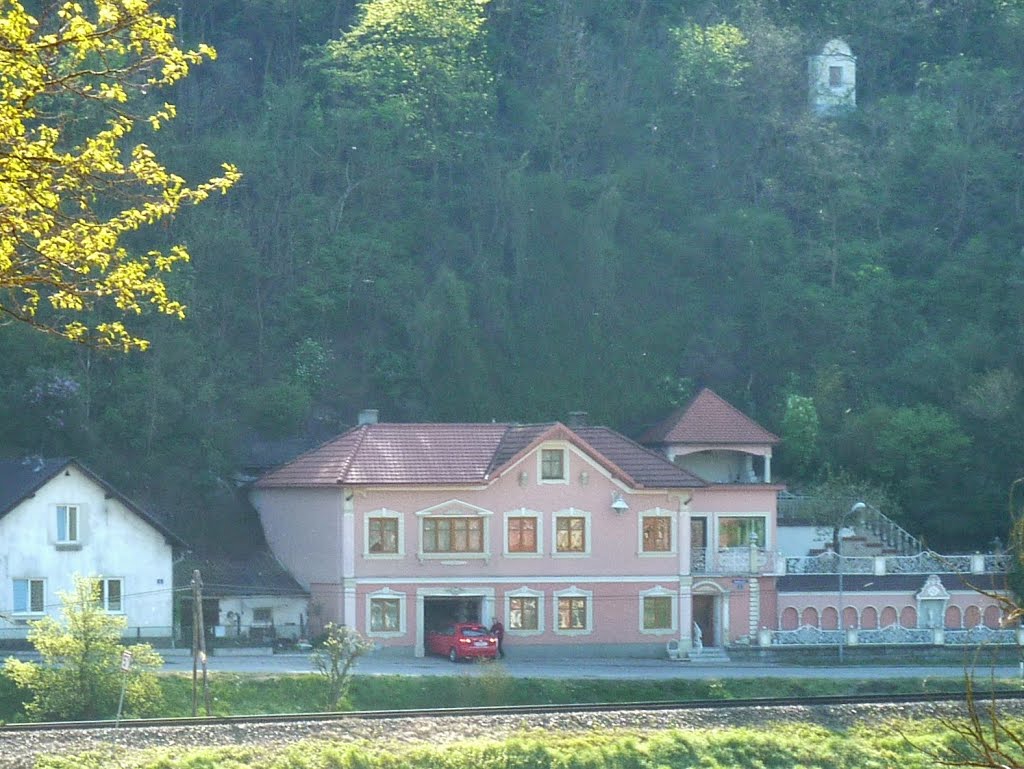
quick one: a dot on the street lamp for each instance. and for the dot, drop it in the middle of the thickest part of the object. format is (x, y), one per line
(857, 507)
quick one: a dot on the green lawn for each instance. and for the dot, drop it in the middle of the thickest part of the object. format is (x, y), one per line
(904, 744)
(234, 694)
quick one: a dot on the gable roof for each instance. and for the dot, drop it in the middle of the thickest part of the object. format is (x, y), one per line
(20, 479)
(468, 453)
(708, 419)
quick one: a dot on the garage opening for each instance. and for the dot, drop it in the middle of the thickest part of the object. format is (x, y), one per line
(438, 613)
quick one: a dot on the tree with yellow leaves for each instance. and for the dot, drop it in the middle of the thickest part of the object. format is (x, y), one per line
(72, 187)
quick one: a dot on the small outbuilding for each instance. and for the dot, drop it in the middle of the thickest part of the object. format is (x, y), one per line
(832, 79)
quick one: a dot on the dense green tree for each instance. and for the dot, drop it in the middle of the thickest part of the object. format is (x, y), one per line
(456, 209)
(79, 674)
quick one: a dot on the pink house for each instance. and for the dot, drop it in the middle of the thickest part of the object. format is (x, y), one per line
(573, 536)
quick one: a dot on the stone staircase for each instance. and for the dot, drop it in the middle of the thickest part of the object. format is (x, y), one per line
(873, 532)
(709, 655)
(867, 545)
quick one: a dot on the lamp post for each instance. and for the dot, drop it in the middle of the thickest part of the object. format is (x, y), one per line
(857, 507)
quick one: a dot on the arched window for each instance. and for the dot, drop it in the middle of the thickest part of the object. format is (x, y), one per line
(809, 617)
(869, 618)
(888, 616)
(993, 615)
(790, 618)
(829, 619)
(972, 617)
(849, 618)
(908, 616)
(954, 619)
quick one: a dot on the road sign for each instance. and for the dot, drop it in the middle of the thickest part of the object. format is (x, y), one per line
(126, 660)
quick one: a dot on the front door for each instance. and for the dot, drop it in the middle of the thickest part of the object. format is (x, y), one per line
(704, 618)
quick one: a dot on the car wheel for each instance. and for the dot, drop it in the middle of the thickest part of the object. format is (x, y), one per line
(453, 656)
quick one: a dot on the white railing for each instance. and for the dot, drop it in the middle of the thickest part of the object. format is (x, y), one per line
(735, 560)
(805, 635)
(894, 635)
(982, 635)
(926, 562)
(828, 563)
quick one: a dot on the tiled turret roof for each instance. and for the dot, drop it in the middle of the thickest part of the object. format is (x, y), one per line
(708, 419)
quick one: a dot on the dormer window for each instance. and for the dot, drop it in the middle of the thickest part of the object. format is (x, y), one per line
(552, 464)
(835, 77)
(67, 524)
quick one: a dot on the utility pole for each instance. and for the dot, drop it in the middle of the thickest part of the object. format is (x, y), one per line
(198, 645)
(197, 633)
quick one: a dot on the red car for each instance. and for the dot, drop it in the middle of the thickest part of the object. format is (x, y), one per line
(462, 641)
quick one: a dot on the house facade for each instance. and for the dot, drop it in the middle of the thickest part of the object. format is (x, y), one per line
(59, 520)
(249, 599)
(574, 537)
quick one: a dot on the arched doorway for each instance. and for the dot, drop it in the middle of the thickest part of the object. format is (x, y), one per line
(708, 615)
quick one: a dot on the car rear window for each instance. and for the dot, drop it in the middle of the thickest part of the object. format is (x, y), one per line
(474, 632)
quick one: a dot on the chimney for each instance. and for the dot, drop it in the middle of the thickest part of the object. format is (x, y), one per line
(577, 419)
(368, 416)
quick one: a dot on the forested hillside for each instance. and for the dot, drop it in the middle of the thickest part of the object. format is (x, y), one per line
(510, 209)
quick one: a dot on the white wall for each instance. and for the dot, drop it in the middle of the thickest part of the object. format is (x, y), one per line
(115, 542)
(715, 466)
(825, 97)
(800, 540)
(288, 614)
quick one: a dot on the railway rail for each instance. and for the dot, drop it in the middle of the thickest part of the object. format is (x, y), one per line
(527, 710)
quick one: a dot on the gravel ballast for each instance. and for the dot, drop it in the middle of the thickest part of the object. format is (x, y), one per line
(18, 749)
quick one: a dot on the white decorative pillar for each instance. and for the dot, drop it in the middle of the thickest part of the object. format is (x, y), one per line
(685, 614)
(348, 561)
(419, 650)
(768, 467)
(755, 606)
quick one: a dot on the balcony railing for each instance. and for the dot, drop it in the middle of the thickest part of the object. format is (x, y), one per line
(734, 560)
(926, 562)
(893, 635)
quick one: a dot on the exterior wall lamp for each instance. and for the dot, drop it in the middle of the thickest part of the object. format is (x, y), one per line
(619, 505)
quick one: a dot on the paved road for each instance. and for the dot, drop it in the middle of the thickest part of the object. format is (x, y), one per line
(584, 668)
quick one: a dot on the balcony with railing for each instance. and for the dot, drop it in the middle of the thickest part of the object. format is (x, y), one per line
(726, 561)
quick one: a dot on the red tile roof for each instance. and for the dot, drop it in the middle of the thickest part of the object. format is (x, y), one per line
(444, 454)
(708, 419)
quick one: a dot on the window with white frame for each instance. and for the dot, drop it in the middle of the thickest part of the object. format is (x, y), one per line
(574, 611)
(553, 466)
(383, 534)
(29, 596)
(741, 531)
(453, 534)
(658, 611)
(571, 532)
(522, 532)
(67, 524)
(524, 610)
(112, 594)
(657, 532)
(385, 612)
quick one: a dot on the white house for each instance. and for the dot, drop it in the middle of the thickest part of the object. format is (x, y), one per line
(832, 76)
(58, 520)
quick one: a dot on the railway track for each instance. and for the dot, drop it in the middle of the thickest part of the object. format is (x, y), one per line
(523, 710)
